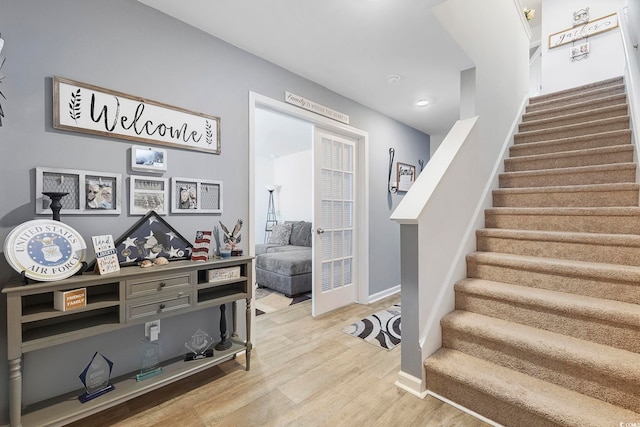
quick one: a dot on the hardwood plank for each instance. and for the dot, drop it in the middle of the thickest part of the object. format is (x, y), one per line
(305, 372)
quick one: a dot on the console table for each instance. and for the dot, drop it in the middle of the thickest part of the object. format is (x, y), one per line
(129, 297)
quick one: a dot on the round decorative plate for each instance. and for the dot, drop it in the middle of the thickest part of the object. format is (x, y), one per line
(45, 250)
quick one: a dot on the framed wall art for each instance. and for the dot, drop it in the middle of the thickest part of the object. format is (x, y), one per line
(88, 192)
(86, 108)
(190, 195)
(148, 194)
(148, 159)
(406, 176)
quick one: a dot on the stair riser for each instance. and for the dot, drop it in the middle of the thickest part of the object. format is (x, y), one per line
(573, 223)
(570, 132)
(613, 176)
(583, 118)
(483, 403)
(580, 91)
(568, 100)
(578, 251)
(576, 325)
(590, 382)
(579, 107)
(579, 159)
(555, 280)
(566, 199)
(580, 143)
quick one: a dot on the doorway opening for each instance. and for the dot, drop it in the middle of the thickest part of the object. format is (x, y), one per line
(281, 168)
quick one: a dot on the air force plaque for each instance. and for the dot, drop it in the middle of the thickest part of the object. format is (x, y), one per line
(45, 250)
(96, 378)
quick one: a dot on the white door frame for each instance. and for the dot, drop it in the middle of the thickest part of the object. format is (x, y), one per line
(362, 190)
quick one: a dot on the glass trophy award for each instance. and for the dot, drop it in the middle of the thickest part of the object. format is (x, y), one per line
(199, 345)
(149, 360)
(96, 377)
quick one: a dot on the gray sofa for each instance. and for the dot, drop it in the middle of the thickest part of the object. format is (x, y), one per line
(284, 264)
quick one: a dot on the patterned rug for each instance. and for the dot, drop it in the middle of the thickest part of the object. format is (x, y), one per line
(268, 301)
(381, 329)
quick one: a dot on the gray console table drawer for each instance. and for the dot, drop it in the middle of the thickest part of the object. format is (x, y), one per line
(137, 310)
(138, 288)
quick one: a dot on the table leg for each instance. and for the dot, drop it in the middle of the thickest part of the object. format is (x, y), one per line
(15, 391)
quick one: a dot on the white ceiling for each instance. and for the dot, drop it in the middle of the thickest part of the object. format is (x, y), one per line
(347, 46)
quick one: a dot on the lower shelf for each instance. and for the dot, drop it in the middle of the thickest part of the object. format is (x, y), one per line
(67, 408)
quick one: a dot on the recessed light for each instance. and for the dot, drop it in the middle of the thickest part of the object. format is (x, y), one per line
(422, 103)
(393, 79)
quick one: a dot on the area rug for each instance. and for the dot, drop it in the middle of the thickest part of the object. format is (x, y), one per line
(381, 329)
(268, 301)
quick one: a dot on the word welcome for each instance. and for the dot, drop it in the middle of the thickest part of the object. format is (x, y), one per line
(91, 109)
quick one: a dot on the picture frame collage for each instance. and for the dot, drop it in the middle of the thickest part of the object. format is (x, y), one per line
(101, 193)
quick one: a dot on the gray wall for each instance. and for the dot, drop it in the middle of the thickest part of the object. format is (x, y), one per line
(125, 46)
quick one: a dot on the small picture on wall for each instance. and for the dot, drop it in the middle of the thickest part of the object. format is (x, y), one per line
(99, 192)
(406, 176)
(580, 51)
(148, 159)
(196, 196)
(187, 195)
(148, 194)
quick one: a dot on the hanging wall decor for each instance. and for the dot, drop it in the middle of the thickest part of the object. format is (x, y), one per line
(91, 109)
(190, 195)
(2, 58)
(88, 192)
(597, 26)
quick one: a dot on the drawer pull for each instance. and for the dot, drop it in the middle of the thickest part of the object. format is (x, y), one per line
(162, 306)
(162, 284)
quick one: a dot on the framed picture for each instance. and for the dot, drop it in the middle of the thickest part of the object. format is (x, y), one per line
(406, 176)
(190, 195)
(580, 51)
(148, 194)
(148, 159)
(88, 192)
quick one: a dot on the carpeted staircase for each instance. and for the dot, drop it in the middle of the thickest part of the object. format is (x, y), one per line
(546, 329)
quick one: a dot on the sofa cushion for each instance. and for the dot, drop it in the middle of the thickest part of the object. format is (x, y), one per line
(280, 234)
(300, 233)
(288, 263)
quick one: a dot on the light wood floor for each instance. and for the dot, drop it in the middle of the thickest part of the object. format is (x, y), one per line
(304, 372)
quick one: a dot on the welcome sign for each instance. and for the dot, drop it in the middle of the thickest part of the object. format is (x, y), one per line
(91, 109)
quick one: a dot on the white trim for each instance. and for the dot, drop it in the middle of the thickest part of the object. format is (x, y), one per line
(384, 294)
(411, 385)
(362, 201)
(463, 409)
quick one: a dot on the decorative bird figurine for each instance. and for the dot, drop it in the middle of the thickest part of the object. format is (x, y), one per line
(232, 238)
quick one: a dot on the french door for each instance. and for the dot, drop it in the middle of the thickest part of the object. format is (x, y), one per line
(333, 219)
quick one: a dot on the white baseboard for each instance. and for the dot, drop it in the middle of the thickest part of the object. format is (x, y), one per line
(411, 384)
(463, 409)
(381, 295)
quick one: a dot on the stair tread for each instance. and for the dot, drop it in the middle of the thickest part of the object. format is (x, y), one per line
(569, 128)
(579, 115)
(572, 153)
(560, 141)
(592, 307)
(576, 92)
(618, 272)
(564, 406)
(615, 362)
(627, 211)
(573, 169)
(621, 98)
(629, 240)
(572, 188)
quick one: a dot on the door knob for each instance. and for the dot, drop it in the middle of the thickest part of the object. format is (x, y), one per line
(319, 231)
